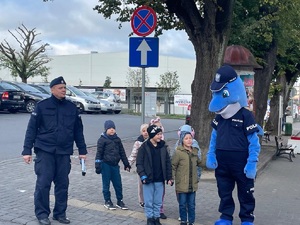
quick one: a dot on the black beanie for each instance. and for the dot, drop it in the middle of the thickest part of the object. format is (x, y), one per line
(109, 124)
(58, 80)
(153, 130)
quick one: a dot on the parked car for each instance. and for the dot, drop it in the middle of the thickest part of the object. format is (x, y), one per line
(42, 88)
(32, 95)
(188, 114)
(11, 99)
(106, 106)
(45, 88)
(87, 104)
(111, 97)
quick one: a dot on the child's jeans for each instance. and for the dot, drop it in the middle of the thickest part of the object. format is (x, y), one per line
(111, 173)
(153, 193)
(140, 190)
(187, 206)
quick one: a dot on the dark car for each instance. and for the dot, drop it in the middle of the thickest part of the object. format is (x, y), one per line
(11, 99)
(42, 88)
(32, 95)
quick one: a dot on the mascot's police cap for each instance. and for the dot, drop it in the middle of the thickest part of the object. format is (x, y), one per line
(58, 80)
(225, 74)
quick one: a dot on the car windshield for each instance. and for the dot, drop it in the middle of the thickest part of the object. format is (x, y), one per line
(46, 88)
(8, 86)
(76, 91)
(28, 88)
(101, 94)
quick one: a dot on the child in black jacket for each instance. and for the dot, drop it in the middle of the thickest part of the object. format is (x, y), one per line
(154, 168)
(110, 151)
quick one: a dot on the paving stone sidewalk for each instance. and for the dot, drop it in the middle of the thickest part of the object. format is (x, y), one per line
(85, 205)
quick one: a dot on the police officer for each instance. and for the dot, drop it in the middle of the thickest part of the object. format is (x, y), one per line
(52, 129)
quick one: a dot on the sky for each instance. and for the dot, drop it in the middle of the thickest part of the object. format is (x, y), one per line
(73, 27)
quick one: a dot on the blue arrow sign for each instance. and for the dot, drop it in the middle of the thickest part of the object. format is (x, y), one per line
(143, 52)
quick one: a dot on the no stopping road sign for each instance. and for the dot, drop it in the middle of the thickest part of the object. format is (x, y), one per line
(143, 21)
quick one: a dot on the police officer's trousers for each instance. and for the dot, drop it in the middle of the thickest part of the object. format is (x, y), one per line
(51, 167)
(230, 171)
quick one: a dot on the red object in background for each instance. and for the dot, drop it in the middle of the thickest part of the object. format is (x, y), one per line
(295, 138)
(237, 55)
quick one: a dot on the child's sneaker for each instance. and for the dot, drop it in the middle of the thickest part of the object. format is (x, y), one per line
(142, 204)
(109, 205)
(121, 205)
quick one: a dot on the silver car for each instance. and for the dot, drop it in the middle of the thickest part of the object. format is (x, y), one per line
(106, 106)
(87, 104)
(111, 97)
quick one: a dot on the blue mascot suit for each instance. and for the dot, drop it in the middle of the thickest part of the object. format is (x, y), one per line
(234, 146)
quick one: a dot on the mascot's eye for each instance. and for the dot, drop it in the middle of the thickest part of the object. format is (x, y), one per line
(225, 93)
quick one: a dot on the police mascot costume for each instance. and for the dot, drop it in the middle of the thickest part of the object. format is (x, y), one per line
(234, 146)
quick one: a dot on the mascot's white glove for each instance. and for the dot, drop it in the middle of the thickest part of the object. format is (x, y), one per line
(211, 160)
(254, 149)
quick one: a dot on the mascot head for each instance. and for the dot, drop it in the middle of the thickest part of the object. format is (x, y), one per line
(228, 92)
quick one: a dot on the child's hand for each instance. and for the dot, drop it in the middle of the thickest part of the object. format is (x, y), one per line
(127, 168)
(144, 180)
(170, 182)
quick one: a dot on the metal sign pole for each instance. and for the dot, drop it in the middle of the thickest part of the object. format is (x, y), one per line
(143, 95)
(280, 117)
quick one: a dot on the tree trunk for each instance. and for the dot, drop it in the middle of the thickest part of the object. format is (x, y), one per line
(284, 91)
(209, 56)
(209, 33)
(262, 81)
(272, 123)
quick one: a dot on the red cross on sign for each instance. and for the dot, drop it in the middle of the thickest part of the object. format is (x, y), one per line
(143, 21)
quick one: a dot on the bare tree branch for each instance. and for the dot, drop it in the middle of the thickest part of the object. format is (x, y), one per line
(28, 59)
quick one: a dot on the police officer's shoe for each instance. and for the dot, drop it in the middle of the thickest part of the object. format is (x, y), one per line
(63, 220)
(45, 221)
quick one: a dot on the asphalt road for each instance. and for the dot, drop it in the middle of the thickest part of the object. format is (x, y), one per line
(13, 128)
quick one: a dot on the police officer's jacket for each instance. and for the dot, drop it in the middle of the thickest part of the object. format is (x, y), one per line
(53, 127)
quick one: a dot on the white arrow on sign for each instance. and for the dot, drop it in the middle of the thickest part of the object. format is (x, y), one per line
(144, 48)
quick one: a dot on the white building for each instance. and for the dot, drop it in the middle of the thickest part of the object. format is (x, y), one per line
(92, 69)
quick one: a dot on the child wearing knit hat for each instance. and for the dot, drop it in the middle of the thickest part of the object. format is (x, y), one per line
(183, 129)
(184, 169)
(154, 168)
(110, 151)
(132, 158)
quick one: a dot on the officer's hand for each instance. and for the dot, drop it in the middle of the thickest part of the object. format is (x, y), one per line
(82, 157)
(27, 158)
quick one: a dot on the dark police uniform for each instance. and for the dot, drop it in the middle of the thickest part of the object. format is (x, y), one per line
(52, 129)
(232, 151)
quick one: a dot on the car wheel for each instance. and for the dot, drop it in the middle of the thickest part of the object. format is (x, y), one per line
(81, 108)
(30, 106)
(117, 111)
(103, 112)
